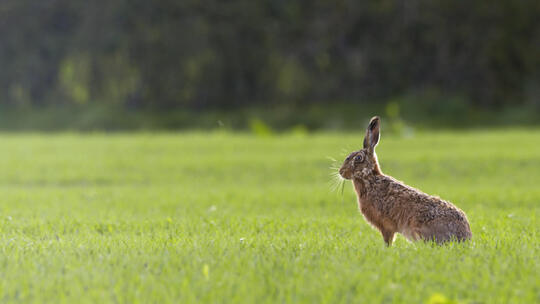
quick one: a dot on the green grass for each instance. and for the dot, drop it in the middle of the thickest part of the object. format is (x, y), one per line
(219, 217)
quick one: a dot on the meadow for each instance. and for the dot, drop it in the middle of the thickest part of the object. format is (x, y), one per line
(219, 217)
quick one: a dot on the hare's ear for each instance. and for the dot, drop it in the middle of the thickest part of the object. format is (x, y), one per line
(372, 134)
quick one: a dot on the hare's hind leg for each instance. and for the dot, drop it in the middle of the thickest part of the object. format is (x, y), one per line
(438, 232)
(432, 233)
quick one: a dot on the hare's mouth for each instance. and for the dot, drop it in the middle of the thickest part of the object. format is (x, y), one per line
(345, 173)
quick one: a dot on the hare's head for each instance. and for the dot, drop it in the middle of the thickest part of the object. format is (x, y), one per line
(362, 163)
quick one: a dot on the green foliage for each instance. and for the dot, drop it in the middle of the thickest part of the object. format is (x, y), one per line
(299, 130)
(236, 218)
(211, 54)
(74, 78)
(298, 119)
(259, 128)
(395, 123)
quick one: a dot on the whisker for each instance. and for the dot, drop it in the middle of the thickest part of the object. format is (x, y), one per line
(331, 158)
(336, 181)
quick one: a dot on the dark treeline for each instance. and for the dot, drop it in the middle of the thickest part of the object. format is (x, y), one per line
(225, 54)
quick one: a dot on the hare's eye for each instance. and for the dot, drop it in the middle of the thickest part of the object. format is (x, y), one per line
(359, 158)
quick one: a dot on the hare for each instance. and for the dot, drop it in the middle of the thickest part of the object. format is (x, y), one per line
(391, 206)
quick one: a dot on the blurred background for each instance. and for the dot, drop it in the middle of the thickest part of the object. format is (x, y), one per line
(262, 65)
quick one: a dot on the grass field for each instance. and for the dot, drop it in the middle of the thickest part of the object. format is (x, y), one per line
(219, 217)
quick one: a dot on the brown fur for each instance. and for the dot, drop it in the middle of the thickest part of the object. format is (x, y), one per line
(391, 206)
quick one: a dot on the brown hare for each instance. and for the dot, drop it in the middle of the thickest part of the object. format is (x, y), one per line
(391, 206)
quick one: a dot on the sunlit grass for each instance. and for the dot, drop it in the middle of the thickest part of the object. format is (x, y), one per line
(219, 217)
